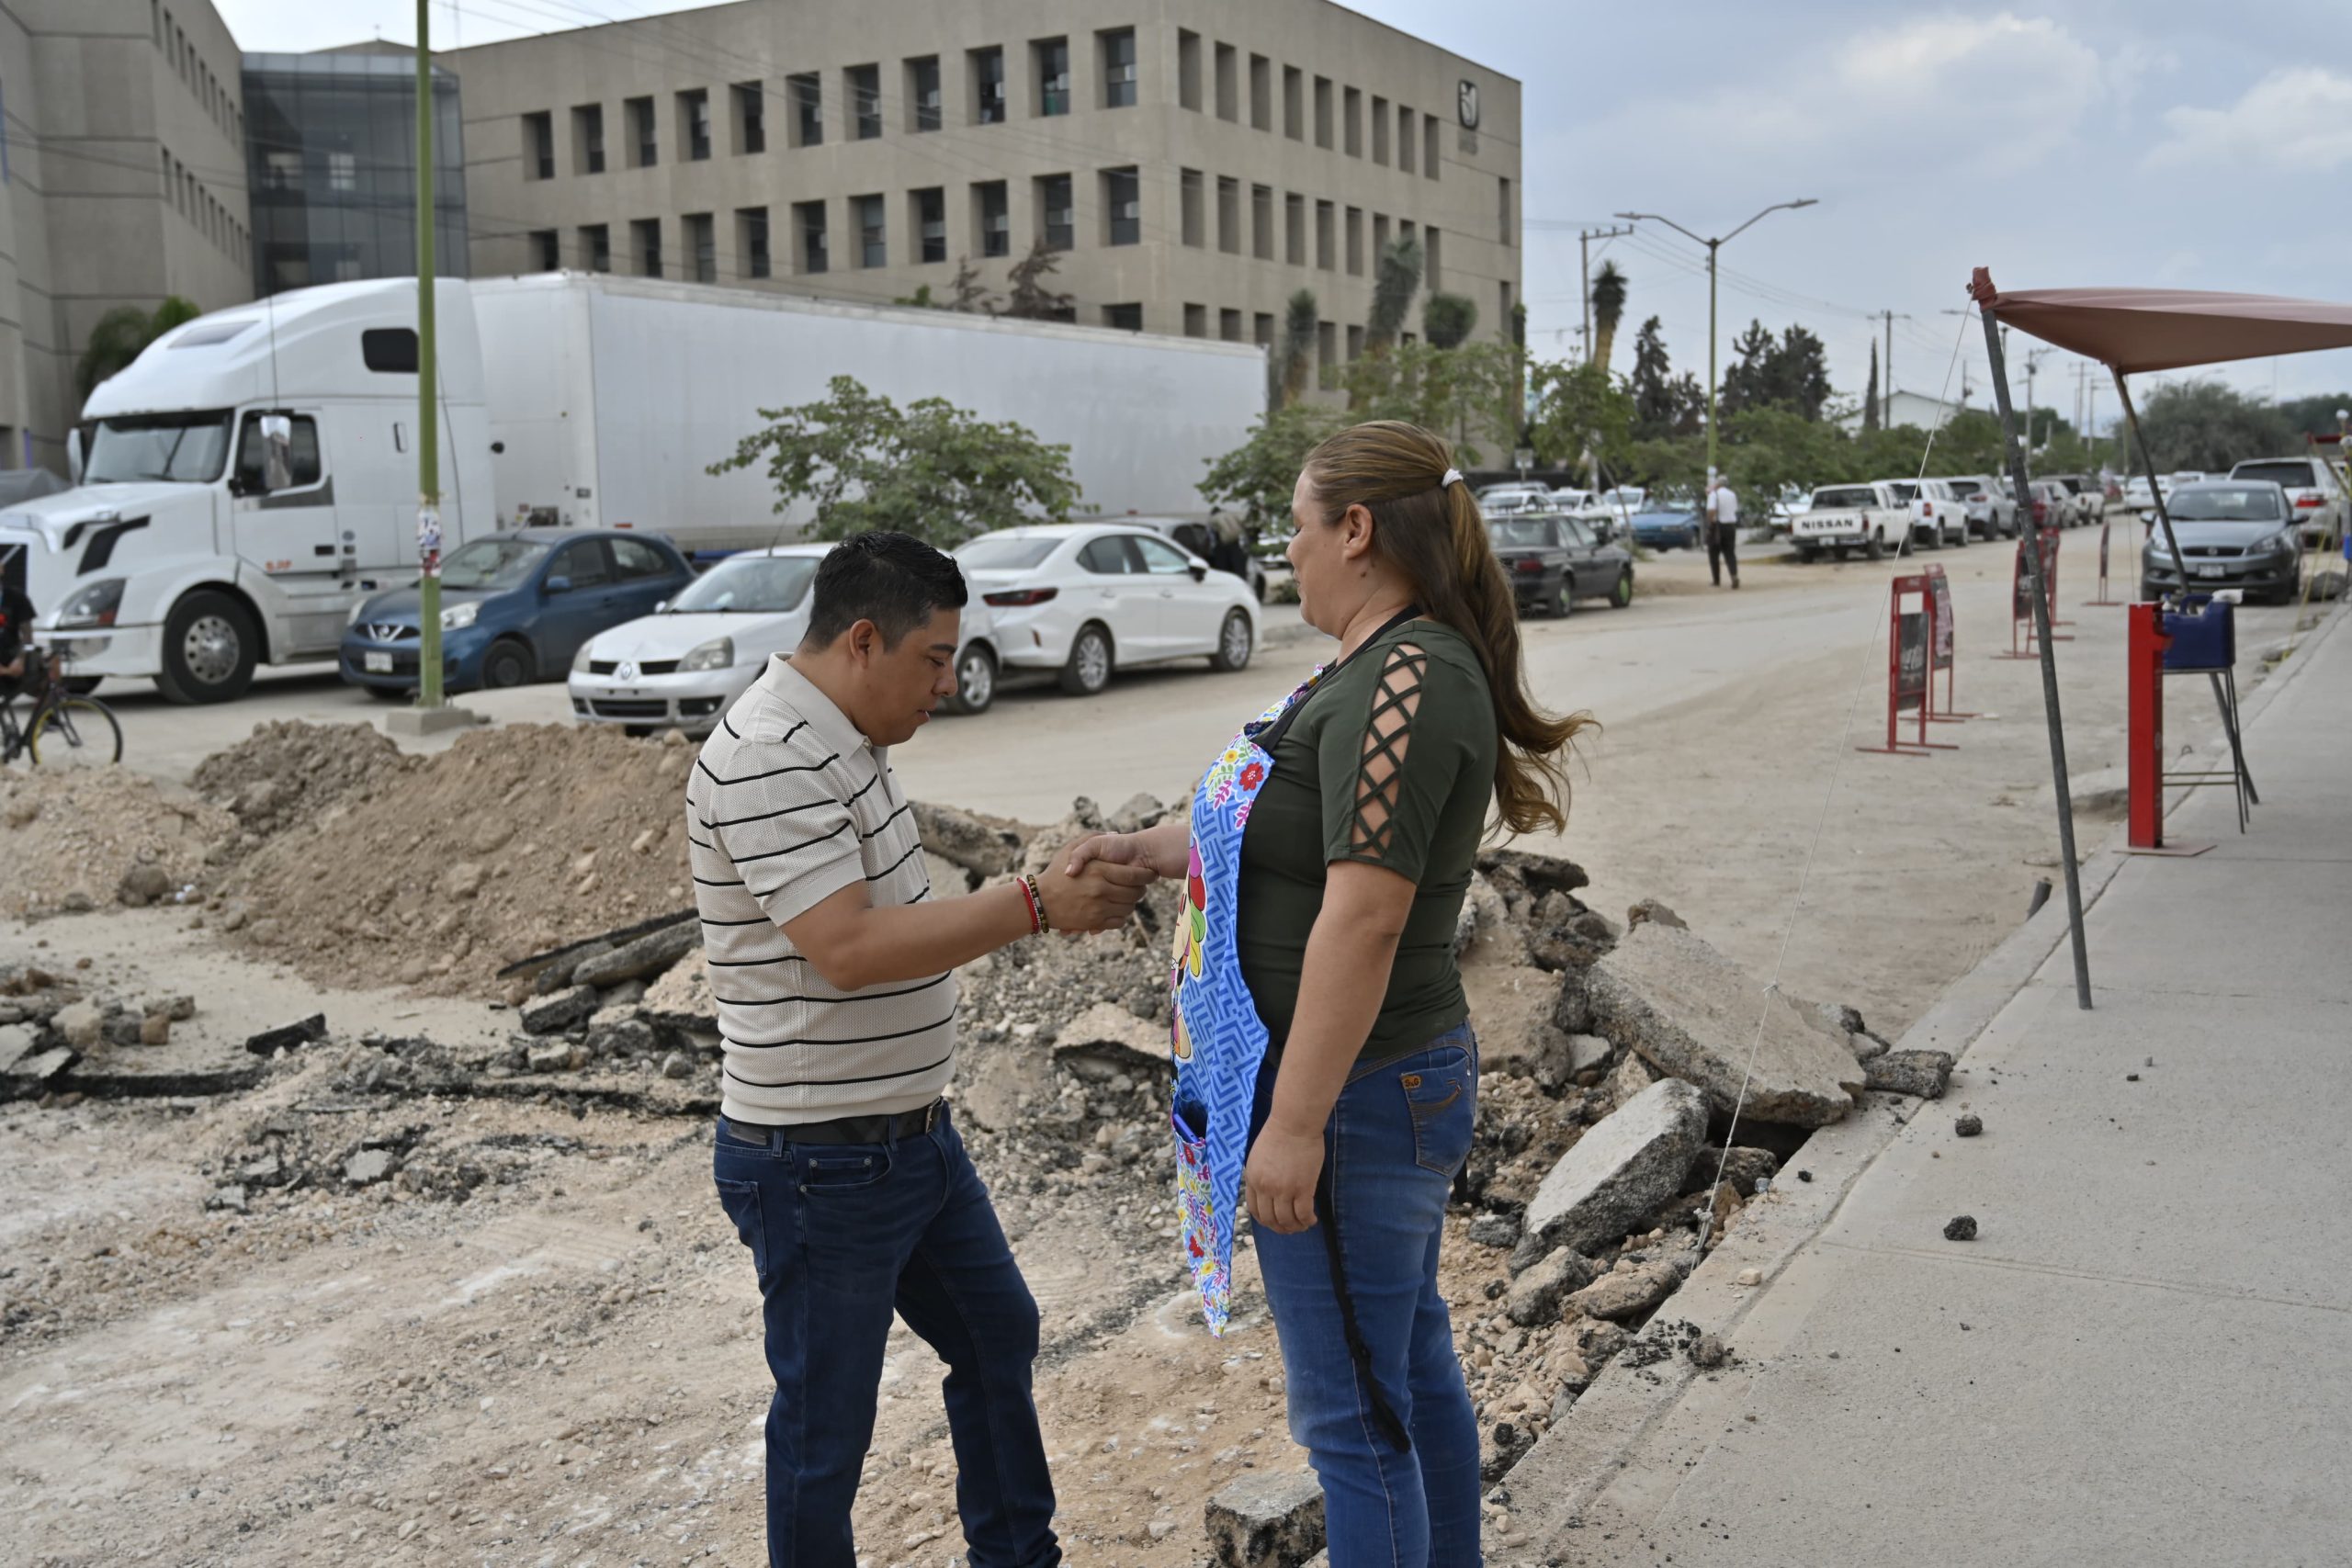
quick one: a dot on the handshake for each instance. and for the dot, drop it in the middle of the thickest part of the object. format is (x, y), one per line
(1097, 882)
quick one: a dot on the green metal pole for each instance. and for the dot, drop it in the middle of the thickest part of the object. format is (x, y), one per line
(1713, 245)
(428, 412)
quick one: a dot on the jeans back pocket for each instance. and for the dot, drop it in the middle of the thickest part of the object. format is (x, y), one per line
(1442, 1098)
(742, 1202)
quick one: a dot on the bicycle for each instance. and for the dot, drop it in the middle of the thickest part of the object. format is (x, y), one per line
(62, 728)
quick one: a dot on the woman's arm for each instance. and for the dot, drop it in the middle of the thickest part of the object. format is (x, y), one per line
(1164, 849)
(1345, 977)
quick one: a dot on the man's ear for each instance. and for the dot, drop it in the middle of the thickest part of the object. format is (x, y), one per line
(865, 642)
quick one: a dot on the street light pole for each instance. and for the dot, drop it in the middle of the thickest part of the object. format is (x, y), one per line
(428, 412)
(1713, 247)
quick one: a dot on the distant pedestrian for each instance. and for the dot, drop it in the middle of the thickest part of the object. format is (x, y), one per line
(1723, 533)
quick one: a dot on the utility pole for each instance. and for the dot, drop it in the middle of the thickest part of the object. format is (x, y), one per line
(1886, 418)
(1713, 335)
(2033, 357)
(428, 412)
(1584, 271)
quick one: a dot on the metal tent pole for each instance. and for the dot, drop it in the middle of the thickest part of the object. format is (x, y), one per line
(2016, 452)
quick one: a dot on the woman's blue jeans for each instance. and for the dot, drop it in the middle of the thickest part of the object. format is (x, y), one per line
(1396, 1139)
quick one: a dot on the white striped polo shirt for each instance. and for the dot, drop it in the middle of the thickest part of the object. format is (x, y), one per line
(787, 805)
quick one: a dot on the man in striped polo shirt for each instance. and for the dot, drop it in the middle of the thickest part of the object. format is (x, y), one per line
(832, 965)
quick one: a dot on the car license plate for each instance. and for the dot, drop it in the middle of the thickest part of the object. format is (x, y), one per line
(376, 664)
(2211, 570)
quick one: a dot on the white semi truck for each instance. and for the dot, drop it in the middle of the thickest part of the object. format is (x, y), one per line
(252, 478)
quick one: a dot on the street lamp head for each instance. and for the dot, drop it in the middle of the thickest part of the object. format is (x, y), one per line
(1806, 202)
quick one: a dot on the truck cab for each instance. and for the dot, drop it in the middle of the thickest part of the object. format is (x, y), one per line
(247, 483)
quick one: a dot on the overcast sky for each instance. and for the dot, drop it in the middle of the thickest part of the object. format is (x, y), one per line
(2063, 142)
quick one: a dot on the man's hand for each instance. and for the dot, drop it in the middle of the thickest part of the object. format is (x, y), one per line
(1096, 899)
(1162, 849)
(1279, 1180)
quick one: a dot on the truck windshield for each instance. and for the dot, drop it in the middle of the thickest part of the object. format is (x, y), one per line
(491, 563)
(749, 584)
(187, 448)
(1825, 499)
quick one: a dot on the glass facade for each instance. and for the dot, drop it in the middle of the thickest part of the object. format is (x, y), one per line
(331, 152)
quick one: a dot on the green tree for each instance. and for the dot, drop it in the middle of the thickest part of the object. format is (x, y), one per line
(1256, 477)
(1395, 281)
(931, 469)
(2204, 424)
(123, 333)
(1869, 395)
(2316, 415)
(1582, 414)
(1448, 320)
(1664, 404)
(1608, 311)
(1301, 327)
(1027, 295)
(1466, 394)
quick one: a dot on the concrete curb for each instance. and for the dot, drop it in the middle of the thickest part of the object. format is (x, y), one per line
(1546, 1494)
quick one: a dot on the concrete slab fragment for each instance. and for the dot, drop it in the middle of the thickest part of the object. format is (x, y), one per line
(1626, 1165)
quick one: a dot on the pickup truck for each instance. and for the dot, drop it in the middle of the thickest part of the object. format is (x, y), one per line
(1939, 516)
(1839, 518)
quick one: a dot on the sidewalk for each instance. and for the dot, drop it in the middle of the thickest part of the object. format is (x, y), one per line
(2146, 1357)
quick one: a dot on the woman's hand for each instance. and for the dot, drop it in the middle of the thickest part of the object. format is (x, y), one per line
(1162, 849)
(1278, 1180)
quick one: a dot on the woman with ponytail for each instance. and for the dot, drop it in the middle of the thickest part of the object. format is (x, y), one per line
(1325, 1066)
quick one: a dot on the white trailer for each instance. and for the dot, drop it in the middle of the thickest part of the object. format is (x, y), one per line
(189, 556)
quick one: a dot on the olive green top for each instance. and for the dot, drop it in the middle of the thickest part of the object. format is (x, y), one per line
(1390, 760)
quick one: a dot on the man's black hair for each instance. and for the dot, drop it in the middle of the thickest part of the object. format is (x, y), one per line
(896, 581)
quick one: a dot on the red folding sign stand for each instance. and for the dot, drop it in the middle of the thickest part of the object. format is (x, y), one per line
(1941, 653)
(2021, 640)
(2104, 527)
(1910, 642)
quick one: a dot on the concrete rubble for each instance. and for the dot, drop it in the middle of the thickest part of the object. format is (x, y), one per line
(1268, 1521)
(1622, 1169)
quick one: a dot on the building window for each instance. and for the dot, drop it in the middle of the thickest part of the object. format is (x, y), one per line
(751, 118)
(1262, 329)
(810, 217)
(1261, 222)
(1228, 89)
(1188, 69)
(702, 243)
(1124, 318)
(342, 174)
(1050, 59)
(1509, 327)
(1294, 103)
(924, 110)
(1056, 215)
(1122, 207)
(596, 248)
(1327, 354)
(1379, 129)
(1327, 225)
(1379, 237)
(1229, 325)
(1118, 68)
(872, 240)
(1294, 229)
(645, 244)
(1323, 112)
(538, 146)
(992, 218)
(1352, 122)
(988, 86)
(1434, 264)
(927, 215)
(1197, 321)
(1429, 146)
(1261, 92)
(283, 171)
(806, 93)
(694, 124)
(1189, 203)
(1355, 345)
(1355, 241)
(642, 150)
(1404, 138)
(1228, 215)
(546, 255)
(1502, 210)
(751, 240)
(864, 84)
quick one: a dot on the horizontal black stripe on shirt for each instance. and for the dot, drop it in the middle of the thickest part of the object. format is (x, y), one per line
(772, 773)
(788, 849)
(705, 882)
(784, 810)
(835, 1083)
(700, 845)
(852, 996)
(879, 831)
(754, 921)
(755, 962)
(859, 1040)
(897, 863)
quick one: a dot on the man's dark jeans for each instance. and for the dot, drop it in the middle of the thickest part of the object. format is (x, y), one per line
(843, 1235)
(1723, 550)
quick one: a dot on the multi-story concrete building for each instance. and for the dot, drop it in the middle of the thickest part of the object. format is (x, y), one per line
(1194, 164)
(123, 181)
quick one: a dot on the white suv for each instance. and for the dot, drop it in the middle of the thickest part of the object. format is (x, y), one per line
(2314, 493)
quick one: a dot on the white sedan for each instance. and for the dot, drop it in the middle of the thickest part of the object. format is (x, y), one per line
(686, 664)
(1085, 598)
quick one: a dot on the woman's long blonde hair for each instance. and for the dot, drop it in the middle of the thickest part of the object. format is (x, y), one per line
(1431, 535)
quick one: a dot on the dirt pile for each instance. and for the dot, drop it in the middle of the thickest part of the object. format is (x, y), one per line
(288, 773)
(444, 869)
(75, 841)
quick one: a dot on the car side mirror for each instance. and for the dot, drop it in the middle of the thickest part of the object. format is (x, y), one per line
(661, 606)
(1200, 573)
(559, 585)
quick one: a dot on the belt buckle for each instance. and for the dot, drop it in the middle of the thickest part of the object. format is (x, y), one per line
(931, 1113)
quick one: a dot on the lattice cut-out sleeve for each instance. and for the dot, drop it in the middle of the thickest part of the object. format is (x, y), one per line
(1389, 770)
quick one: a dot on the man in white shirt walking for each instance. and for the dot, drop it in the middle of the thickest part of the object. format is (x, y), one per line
(1723, 532)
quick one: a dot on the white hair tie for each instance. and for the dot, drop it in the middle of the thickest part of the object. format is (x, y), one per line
(1452, 476)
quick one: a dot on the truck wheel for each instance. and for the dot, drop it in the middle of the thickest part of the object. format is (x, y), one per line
(1875, 548)
(508, 663)
(1622, 594)
(1960, 540)
(1088, 669)
(210, 647)
(1234, 643)
(1808, 552)
(974, 680)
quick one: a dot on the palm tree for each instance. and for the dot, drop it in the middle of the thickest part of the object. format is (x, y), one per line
(123, 333)
(1300, 328)
(1608, 310)
(1393, 283)
(1448, 320)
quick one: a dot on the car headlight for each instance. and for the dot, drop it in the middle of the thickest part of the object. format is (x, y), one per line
(458, 617)
(580, 659)
(2285, 544)
(716, 654)
(93, 607)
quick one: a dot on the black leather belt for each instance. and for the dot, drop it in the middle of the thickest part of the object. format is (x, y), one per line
(845, 1128)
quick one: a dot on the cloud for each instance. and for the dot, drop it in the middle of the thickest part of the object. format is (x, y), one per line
(2298, 120)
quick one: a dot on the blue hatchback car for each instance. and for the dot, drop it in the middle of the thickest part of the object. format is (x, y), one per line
(514, 608)
(1675, 528)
